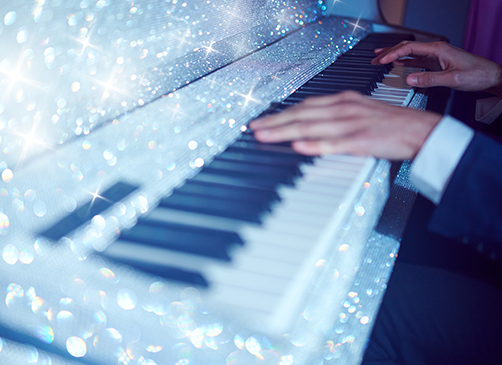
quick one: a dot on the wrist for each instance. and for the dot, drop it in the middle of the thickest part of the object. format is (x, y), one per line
(497, 76)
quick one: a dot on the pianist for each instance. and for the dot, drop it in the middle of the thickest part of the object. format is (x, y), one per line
(443, 302)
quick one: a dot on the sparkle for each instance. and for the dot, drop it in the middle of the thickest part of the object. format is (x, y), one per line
(108, 86)
(337, 1)
(248, 98)
(213, 82)
(175, 110)
(85, 42)
(95, 195)
(210, 48)
(356, 24)
(276, 76)
(30, 140)
(15, 76)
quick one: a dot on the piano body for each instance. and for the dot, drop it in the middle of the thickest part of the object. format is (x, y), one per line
(140, 222)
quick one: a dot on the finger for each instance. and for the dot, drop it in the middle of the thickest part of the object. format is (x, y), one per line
(405, 49)
(340, 146)
(380, 50)
(311, 109)
(308, 129)
(410, 62)
(431, 78)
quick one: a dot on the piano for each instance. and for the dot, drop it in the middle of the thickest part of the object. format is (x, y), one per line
(141, 222)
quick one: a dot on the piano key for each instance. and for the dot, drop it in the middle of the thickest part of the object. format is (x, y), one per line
(96, 205)
(256, 168)
(255, 177)
(226, 192)
(173, 272)
(273, 160)
(198, 241)
(247, 211)
(255, 148)
(248, 232)
(374, 74)
(162, 257)
(335, 87)
(251, 211)
(328, 81)
(229, 180)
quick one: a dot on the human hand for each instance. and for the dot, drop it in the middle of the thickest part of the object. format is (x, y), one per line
(449, 66)
(349, 123)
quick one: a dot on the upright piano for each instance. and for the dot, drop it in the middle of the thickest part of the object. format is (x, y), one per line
(142, 223)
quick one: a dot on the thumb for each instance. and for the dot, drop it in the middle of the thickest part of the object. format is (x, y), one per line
(430, 79)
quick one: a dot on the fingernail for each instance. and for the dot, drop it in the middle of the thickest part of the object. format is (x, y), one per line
(254, 124)
(378, 50)
(412, 80)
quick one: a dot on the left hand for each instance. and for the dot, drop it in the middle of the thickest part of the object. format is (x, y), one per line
(349, 123)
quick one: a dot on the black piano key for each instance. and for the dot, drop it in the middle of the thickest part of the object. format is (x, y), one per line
(323, 89)
(256, 168)
(375, 75)
(259, 159)
(163, 271)
(251, 150)
(200, 241)
(333, 79)
(210, 205)
(94, 206)
(228, 192)
(268, 148)
(354, 68)
(259, 179)
(305, 93)
(216, 178)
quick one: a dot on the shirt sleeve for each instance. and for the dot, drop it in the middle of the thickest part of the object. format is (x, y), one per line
(436, 161)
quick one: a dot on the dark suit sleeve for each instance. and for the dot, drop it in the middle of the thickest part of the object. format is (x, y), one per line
(471, 208)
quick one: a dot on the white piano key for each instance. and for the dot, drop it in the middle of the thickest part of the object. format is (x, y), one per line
(236, 296)
(267, 237)
(336, 190)
(294, 216)
(303, 193)
(247, 280)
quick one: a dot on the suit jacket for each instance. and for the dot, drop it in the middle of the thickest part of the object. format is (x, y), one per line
(471, 208)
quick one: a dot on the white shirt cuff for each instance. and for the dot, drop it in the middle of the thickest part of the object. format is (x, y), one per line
(487, 110)
(435, 163)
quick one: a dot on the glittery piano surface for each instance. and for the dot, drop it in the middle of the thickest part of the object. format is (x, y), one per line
(97, 95)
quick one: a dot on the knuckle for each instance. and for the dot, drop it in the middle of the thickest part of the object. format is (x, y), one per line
(427, 79)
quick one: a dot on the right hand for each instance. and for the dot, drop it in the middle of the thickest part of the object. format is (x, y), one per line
(449, 66)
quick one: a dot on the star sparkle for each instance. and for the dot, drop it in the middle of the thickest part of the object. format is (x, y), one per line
(16, 76)
(95, 195)
(356, 25)
(30, 141)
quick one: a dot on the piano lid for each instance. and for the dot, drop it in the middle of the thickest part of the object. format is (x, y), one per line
(69, 66)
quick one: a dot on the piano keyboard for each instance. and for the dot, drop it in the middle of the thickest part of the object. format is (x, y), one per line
(251, 225)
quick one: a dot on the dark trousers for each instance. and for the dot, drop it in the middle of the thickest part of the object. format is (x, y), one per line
(443, 304)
